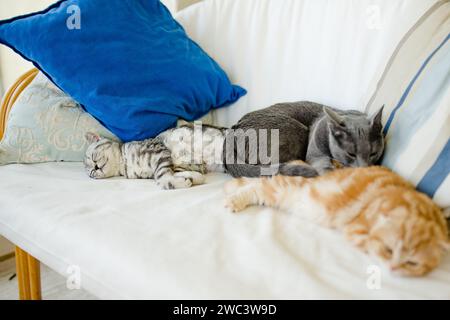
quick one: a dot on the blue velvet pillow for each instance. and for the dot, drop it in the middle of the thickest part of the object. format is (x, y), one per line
(127, 62)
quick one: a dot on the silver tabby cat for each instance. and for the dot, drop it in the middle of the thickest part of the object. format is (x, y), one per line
(171, 158)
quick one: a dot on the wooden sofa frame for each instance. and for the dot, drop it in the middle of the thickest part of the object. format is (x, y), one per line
(27, 267)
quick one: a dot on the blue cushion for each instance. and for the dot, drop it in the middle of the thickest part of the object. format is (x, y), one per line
(127, 62)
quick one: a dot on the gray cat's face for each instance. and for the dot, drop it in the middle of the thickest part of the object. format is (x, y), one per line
(102, 158)
(355, 140)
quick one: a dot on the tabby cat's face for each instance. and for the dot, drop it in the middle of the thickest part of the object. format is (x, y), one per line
(103, 157)
(408, 240)
(355, 140)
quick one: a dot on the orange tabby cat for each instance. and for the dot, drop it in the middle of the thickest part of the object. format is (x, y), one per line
(376, 209)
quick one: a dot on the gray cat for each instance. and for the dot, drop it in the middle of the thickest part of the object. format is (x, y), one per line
(320, 135)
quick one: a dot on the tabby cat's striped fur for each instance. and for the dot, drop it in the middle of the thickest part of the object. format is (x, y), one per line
(376, 209)
(176, 158)
(136, 160)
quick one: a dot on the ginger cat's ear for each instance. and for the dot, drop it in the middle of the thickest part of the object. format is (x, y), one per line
(357, 233)
(445, 245)
(446, 212)
(92, 137)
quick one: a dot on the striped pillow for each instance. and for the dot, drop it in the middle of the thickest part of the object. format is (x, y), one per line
(415, 89)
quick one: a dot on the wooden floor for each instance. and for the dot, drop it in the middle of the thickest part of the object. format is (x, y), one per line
(53, 284)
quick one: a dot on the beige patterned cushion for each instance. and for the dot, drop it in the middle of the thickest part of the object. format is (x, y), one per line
(46, 125)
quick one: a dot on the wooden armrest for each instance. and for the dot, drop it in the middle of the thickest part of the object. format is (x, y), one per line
(11, 97)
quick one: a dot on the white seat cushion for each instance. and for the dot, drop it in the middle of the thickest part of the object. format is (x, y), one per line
(130, 239)
(291, 50)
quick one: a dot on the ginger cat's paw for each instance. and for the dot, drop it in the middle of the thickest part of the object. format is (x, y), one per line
(236, 203)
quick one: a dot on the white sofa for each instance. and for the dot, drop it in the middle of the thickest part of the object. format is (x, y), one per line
(130, 239)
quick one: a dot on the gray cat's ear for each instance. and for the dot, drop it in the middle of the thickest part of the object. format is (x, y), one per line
(333, 116)
(375, 119)
(92, 137)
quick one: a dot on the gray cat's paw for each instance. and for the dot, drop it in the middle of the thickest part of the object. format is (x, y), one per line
(195, 177)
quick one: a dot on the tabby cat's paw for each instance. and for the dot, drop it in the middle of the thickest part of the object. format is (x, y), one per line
(195, 177)
(235, 203)
(175, 183)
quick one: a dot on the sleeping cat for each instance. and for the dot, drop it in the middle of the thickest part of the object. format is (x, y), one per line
(375, 208)
(172, 158)
(312, 132)
(203, 155)
(136, 160)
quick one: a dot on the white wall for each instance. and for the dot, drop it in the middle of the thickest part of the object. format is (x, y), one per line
(11, 65)
(181, 4)
(5, 247)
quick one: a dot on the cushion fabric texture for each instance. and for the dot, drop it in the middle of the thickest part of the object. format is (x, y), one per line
(415, 89)
(127, 62)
